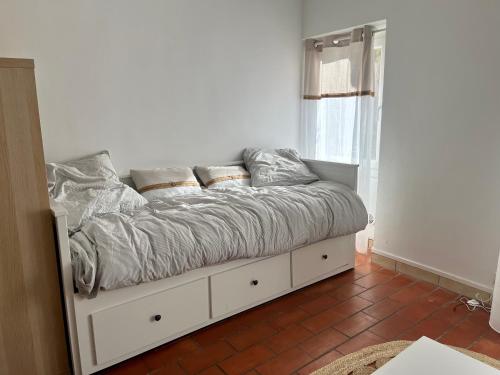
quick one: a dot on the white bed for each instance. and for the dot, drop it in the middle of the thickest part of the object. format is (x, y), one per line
(121, 323)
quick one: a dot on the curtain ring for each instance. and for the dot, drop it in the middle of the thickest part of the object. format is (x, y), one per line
(317, 43)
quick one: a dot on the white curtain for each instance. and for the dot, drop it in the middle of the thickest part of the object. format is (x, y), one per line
(340, 110)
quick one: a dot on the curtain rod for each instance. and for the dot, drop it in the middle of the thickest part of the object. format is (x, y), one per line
(346, 37)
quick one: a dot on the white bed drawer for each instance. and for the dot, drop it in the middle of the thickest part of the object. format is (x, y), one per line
(124, 328)
(246, 285)
(310, 262)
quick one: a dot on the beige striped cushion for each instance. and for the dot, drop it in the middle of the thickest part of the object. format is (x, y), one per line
(222, 177)
(165, 182)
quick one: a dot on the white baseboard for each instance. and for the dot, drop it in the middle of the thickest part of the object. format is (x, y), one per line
(437, 271)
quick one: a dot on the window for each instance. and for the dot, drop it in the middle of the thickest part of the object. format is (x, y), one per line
(342, 113)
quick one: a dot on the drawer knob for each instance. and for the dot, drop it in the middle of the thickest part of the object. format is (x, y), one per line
(157, 317)
(325, 256)
(255, 282)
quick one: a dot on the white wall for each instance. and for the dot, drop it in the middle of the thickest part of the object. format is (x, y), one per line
(439, 189)
(160, 82)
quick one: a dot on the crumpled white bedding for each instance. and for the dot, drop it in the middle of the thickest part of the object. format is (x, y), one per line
(168, 237)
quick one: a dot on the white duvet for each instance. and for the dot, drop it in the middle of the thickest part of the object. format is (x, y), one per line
(172, 236)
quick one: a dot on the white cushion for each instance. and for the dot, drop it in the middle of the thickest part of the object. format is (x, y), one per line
(222, 177)
(165, 182)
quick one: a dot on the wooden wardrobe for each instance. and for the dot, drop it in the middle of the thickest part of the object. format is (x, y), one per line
(32, 338)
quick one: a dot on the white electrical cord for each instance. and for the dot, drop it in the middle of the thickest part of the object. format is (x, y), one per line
(476, 303)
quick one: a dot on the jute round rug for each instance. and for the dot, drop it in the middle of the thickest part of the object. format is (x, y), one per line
(367, 360)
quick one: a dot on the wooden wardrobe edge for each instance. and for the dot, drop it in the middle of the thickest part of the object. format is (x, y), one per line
(16, 63)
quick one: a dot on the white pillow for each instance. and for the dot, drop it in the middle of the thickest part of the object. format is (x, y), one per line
(89, 186)
(165, 182)
(222, 177)
(280, 167)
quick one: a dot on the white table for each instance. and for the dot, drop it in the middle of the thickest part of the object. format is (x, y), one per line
(428, 357)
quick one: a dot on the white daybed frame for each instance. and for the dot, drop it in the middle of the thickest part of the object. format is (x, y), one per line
(119, 324)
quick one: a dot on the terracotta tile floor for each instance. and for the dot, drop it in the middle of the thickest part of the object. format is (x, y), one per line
(307, 329)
